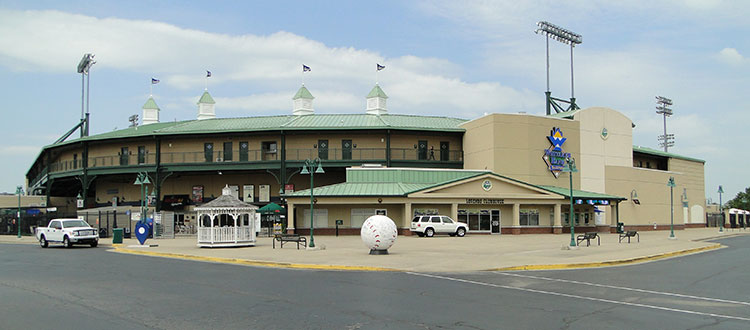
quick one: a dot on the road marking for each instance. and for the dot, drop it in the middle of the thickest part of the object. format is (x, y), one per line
(628, 289)
(684, 311)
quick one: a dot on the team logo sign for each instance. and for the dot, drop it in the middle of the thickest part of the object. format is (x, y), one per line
(554, 156)
(141, 231)
(487, 185)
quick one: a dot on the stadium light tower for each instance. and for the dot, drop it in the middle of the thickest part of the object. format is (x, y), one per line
(567, 37)
(83, 68)
(662, 108)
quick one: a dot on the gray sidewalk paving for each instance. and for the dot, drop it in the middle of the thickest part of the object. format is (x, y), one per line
(438, 254)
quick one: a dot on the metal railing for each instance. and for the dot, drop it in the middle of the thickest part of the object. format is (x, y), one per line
(242, 156)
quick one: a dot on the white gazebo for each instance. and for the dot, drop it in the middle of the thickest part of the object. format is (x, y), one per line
(226, 222)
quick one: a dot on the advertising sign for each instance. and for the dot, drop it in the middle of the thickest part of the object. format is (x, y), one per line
(248, 192)
(265, 193)
(555, 156)
(197, 196)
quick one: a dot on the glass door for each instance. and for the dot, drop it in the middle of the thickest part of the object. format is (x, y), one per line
(495, 221)
(243, 151)
(422, 151)
(323, 149)
(346, 149)
(444, 151)
(208, 152)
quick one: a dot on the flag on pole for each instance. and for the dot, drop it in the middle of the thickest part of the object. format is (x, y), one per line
(154, 81)
(208, 73)
(305, 68)
(380, 67)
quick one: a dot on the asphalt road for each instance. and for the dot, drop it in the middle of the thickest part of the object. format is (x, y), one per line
(86, 288)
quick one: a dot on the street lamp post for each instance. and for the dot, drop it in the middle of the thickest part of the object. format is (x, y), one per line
(570, 167)
(143, 181)
(307, 168)
(721, 225)
(19, 191)
(671, 185)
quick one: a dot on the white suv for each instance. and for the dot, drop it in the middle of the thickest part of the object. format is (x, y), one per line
(429, 225)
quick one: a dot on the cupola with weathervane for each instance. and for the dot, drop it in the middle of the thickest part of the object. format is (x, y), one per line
(206, 109)
(303, 102)
(376, 101)
(150, 112)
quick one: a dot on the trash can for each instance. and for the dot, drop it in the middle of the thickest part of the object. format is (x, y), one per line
(620, 227)
(126, 233)
(117, 236)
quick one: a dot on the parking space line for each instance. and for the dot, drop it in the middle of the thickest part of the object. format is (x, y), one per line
(676, 310)
(627, 289)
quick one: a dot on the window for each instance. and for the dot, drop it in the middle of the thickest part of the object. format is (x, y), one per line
(425, 219)
(416, 219)
(141, 154)
(447, 220)
(75, 161)
(435, 219)
(227, 151)
(358, 217)
(320, 219)
(529, 217)
(124, 156)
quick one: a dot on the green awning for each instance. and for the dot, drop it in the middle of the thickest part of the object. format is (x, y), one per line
(272, 208)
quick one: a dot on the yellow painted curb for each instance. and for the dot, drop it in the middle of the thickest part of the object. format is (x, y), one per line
(612, 262)
(253, 262)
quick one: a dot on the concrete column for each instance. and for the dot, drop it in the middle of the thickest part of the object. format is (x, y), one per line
(454, 211)
(290, 218)
(685, 218)
(516, 226)
(557, 225)
(407, 216)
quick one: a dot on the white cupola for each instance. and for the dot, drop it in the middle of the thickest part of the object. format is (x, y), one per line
(150, 112)
(206, 108)
(303, 102)
(376, 101)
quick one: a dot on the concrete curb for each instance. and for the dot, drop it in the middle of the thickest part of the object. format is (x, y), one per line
(610, 263)
(246, 262)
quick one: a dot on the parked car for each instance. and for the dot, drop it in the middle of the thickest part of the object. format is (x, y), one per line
(67, 232)
(429, 225)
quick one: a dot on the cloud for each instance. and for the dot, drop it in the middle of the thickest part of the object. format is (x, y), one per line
(731, 56)
(267, 64)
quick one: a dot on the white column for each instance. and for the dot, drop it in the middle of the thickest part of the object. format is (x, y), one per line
(289, 218)
(234, 216)
(212, 227)
(558, 216)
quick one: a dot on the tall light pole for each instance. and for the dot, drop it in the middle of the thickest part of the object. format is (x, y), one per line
(671, 185)
(570, 167)
(662, 108)
(569, 38)
(307, 168)
(19, 191)
(83, 68)
(721, 212)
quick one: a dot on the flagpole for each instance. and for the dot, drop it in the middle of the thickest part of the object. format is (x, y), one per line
(151, 88)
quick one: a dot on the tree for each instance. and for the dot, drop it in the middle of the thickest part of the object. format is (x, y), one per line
(741, 201)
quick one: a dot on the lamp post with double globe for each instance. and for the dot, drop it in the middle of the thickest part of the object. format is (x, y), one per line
(19, 191)
(311, 167)
(570, 167)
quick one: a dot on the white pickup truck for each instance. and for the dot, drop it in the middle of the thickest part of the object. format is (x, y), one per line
(67, 232)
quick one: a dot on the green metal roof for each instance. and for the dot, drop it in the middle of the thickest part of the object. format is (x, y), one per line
(580, 193)
(277, 123)
(388, 182)
(150, 104)
(655, 152)
(206, 98)
(364, 182)
(377, 92)
(303, 93)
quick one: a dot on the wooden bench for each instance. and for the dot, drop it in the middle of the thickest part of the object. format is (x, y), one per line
(285, 238)
(629, 234)
(588, 237)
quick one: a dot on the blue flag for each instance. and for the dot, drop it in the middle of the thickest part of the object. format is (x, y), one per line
(154, 81)
(208, 73)
(380, 67)
(305, 68)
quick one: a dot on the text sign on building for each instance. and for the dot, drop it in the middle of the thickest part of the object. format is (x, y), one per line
(554, 156)
(484, 201)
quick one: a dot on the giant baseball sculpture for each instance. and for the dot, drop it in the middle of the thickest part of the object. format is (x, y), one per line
(379, 233)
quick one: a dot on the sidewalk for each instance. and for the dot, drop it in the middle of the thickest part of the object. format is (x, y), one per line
(437, 254)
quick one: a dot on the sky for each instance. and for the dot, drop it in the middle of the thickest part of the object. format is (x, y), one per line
(443, 58)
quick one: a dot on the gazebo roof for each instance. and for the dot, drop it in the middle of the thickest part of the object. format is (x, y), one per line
(226, 201)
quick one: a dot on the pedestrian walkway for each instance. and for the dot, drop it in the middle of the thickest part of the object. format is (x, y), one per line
(437, 254)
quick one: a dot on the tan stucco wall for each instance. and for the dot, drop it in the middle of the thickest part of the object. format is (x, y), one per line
(596, 151)
(513, 145)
